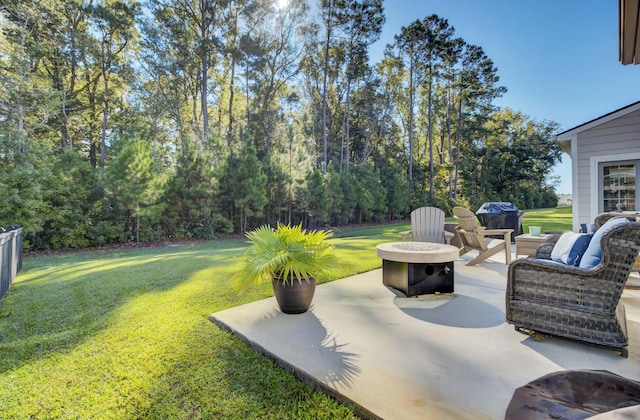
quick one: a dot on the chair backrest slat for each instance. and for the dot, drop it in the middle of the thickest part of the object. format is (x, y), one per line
(427, 224)
(468, 224)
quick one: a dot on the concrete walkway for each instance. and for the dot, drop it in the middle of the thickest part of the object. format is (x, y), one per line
(429, 357)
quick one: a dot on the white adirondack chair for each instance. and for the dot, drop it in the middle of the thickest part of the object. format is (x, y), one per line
(427, 225)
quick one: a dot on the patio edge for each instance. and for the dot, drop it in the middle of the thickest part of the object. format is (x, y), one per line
(299, 374)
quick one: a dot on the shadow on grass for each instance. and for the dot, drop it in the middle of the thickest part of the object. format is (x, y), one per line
(51, 309)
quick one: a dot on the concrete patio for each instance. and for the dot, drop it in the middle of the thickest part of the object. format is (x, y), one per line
(428, 357)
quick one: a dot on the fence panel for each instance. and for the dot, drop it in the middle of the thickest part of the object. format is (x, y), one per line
(10, 257)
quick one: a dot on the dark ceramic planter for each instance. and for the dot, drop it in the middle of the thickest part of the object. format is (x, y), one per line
(294, 297)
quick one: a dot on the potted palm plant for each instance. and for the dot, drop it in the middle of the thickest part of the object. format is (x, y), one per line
(291, 257)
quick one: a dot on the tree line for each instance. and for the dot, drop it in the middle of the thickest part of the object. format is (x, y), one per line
(127, 121)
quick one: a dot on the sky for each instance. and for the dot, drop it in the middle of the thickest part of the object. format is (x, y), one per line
(558, 59)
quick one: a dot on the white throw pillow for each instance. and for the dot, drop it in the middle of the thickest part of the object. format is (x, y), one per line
(570, 248)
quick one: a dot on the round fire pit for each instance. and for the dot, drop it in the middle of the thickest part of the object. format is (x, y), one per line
(417, 268)
(417, 252)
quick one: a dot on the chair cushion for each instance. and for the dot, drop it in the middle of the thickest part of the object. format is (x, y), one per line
(570, 248)
(593, 255)
(587, 228)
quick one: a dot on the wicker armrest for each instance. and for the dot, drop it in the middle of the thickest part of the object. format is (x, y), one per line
(544, 251)
(561, 285)
(548, 265)
(537, 264)
(548, 276)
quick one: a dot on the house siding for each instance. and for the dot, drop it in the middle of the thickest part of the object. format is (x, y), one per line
(618, 137)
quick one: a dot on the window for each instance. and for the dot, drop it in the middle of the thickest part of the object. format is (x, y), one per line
(619, 186)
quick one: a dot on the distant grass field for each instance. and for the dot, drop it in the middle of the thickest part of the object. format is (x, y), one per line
(115, 334)
(548, 219)
(559, 218)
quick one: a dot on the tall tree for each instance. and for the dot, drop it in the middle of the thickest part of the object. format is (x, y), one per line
(130, 180)
(438, 37)
(236, 10)
(275, 63)
(364, 20)
(192, 28)
(243, 186)
(63, 42)
(521, 153)
(477, 87)
(27, 102)
(328, 13)
(407, 52)
(114, 20)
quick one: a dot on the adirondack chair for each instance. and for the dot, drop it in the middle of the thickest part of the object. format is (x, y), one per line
(474, 237)
(427, 225)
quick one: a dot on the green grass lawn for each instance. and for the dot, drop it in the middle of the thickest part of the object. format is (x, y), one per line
(548, 219)
(125, 334)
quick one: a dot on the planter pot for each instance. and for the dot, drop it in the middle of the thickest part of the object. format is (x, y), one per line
(294, 297)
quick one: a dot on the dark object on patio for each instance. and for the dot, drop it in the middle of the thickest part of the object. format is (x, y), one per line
(573, 394)
(418, 268)
(418, 279)
(572, 302)
(501, 215)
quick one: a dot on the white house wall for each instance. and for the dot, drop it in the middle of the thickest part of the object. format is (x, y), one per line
(614, 140)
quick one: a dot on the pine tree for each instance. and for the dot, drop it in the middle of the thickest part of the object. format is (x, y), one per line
(130, 180)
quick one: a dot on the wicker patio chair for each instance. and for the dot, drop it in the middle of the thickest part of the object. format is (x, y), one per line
(572, 302)
(602, 218)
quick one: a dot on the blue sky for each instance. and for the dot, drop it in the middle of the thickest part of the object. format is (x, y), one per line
(557, 58)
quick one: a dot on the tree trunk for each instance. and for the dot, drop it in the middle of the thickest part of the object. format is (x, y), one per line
(105, 115)
(430, 133)
(347, 124)
(324, 93)
(203, 99)
(204, 70)
(449, 140)
(458, 141)
(411, 102)
(137, 228)
(233, 77)
(91, 97)
(66, 137)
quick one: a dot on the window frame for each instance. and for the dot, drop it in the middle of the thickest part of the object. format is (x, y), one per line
(601, 187)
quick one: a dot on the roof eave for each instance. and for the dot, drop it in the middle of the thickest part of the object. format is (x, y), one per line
(565, 145)
(565, 135)
(629, 49)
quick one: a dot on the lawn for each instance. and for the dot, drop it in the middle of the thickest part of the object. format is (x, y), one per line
(548, 219)
(125, 334)
(559, 218)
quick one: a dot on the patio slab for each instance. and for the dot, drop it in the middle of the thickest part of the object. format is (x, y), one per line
(431, 356)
